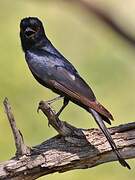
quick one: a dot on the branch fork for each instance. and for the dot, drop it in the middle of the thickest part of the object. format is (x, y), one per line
(72, 148)
(62, 127)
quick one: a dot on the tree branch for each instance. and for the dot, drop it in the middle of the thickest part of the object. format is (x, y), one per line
(105, 17)
(71, 149)
(21, 148)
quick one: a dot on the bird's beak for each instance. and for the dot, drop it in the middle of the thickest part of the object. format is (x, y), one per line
(29, 32)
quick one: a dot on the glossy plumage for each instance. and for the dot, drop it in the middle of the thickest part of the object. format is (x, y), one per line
(54, 71)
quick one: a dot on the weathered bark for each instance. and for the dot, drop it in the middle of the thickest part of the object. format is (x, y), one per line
(72, 149)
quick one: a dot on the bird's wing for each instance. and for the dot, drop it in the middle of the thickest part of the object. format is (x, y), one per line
(75, 87)
(60, 75)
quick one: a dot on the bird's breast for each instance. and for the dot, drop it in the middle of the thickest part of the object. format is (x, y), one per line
(39, 65)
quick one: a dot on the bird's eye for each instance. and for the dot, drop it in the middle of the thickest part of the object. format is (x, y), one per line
(29, 32)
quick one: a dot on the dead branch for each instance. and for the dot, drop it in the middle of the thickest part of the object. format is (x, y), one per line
(21, 148)
(72, 148)
(105, 17)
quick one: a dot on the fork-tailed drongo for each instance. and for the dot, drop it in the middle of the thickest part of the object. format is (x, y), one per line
(54, 71)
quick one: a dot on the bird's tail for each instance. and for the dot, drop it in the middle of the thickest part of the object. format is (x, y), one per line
(104, 129)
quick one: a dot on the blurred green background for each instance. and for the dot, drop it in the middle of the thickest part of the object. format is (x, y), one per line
(105, 61)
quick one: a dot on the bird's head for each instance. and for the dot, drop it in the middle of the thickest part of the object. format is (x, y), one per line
(31, 32)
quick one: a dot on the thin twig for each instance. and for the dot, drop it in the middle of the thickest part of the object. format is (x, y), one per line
(21, 148)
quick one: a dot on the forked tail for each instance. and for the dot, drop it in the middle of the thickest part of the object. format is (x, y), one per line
(104, 129)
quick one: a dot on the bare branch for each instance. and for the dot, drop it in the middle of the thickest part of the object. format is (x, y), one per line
(63, 128)
(21, 148)
(72, 149)
(104, 16)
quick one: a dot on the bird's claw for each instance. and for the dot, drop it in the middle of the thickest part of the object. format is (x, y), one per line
(39, 107)
(48, 124)
(57, 115)
(49, 102)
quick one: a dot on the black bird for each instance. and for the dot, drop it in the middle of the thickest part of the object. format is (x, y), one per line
(54, 71)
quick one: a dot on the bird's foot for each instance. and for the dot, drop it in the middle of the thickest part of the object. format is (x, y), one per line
(57, 115)
(54, 99)
(48, 124)
(38, 108)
